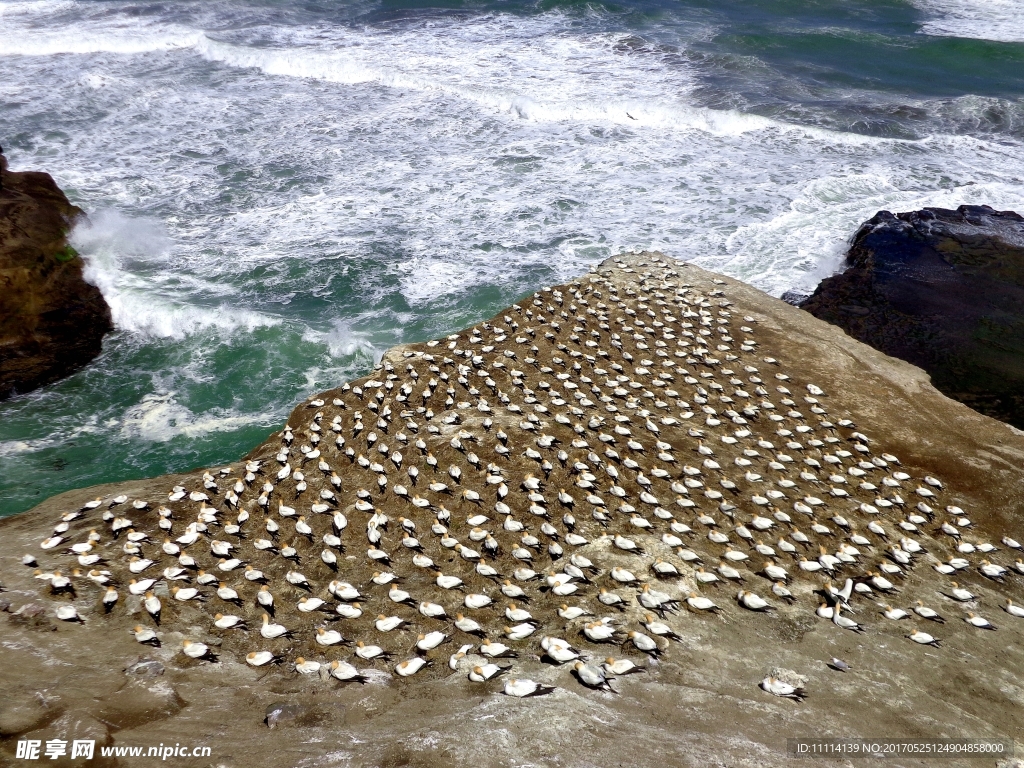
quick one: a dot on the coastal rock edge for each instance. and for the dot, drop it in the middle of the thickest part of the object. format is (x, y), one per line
(52, 321)
(944, 290)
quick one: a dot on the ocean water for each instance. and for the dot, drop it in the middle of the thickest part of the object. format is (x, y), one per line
(279, 191)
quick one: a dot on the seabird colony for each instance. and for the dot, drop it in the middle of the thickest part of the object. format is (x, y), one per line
(576, 479)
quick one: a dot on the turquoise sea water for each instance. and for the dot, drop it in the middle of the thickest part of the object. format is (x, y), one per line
(279, 191)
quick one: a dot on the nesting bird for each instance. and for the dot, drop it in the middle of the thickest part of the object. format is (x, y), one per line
(621, 444)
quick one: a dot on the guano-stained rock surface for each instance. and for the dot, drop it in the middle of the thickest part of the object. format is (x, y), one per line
(943, 290)
(52, 321)
(651, 432)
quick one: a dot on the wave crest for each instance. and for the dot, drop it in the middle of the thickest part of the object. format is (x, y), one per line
(112, 245)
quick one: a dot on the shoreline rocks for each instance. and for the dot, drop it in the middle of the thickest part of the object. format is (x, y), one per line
(943, 290)
(52, 321)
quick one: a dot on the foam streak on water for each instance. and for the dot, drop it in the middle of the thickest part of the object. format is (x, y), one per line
(1000, 20)
(277, 194)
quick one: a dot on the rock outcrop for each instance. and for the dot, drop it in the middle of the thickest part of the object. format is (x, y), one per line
(943, 290)
(649, 432)
(52, 321)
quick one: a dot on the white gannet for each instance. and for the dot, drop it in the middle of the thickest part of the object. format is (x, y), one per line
(923, 638)
(68, 613)
(728, 572)
(752, 602)
(109, 599)
(152, 605)
(141, 586)
(569, 613)
(992, 570)
(343, 591)
(622, 575)
(521, 688)
(261, 658)
(398, 595)
(960, 594)
(592, 676)
(477, 601)
(699, 603)
(345, 672)
(894, 613)
(370, 652)
(495, 650)
(779, 590)
(467, 625)
(644, 643)
(328, 636)
(659, 628)
(145, 635)
(559, 651)
(977, 621)
(197, 650)
(329, 558)
(411, 666)
(514, 613)
(388, 623)
(228, 621)
(656, 600)
(843, 622)
(309, 604)
(175, 573)
(349, 610)
(185, 593)
(227, 594)
(924, 611)
(778, 687)
(447, 582)
(600, 631)
(619, 667)
(430, 640)
(265, 598)
(520, 631)
(432, 610)
(483, 673)
(304, 667)
(1013, 609)
(775, 572)
(273, 631)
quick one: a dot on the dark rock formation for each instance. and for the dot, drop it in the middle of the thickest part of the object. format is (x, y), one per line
(52, 321)
(943, 290)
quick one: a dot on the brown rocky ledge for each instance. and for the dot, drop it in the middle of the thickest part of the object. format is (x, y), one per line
(844, 417)
(52, 321)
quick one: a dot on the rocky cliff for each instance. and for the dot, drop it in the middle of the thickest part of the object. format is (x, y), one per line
(651, 463)
(943, 290)
(52, 321)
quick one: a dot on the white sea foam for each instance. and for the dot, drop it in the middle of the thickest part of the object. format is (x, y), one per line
(424, 279)
(821, 219)
(160, 417)
(128, 259)
(11, 448)
(345, 341)
(128, 41)
(340, 188)
(553, 91)
(999, 20)
(11, 10)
